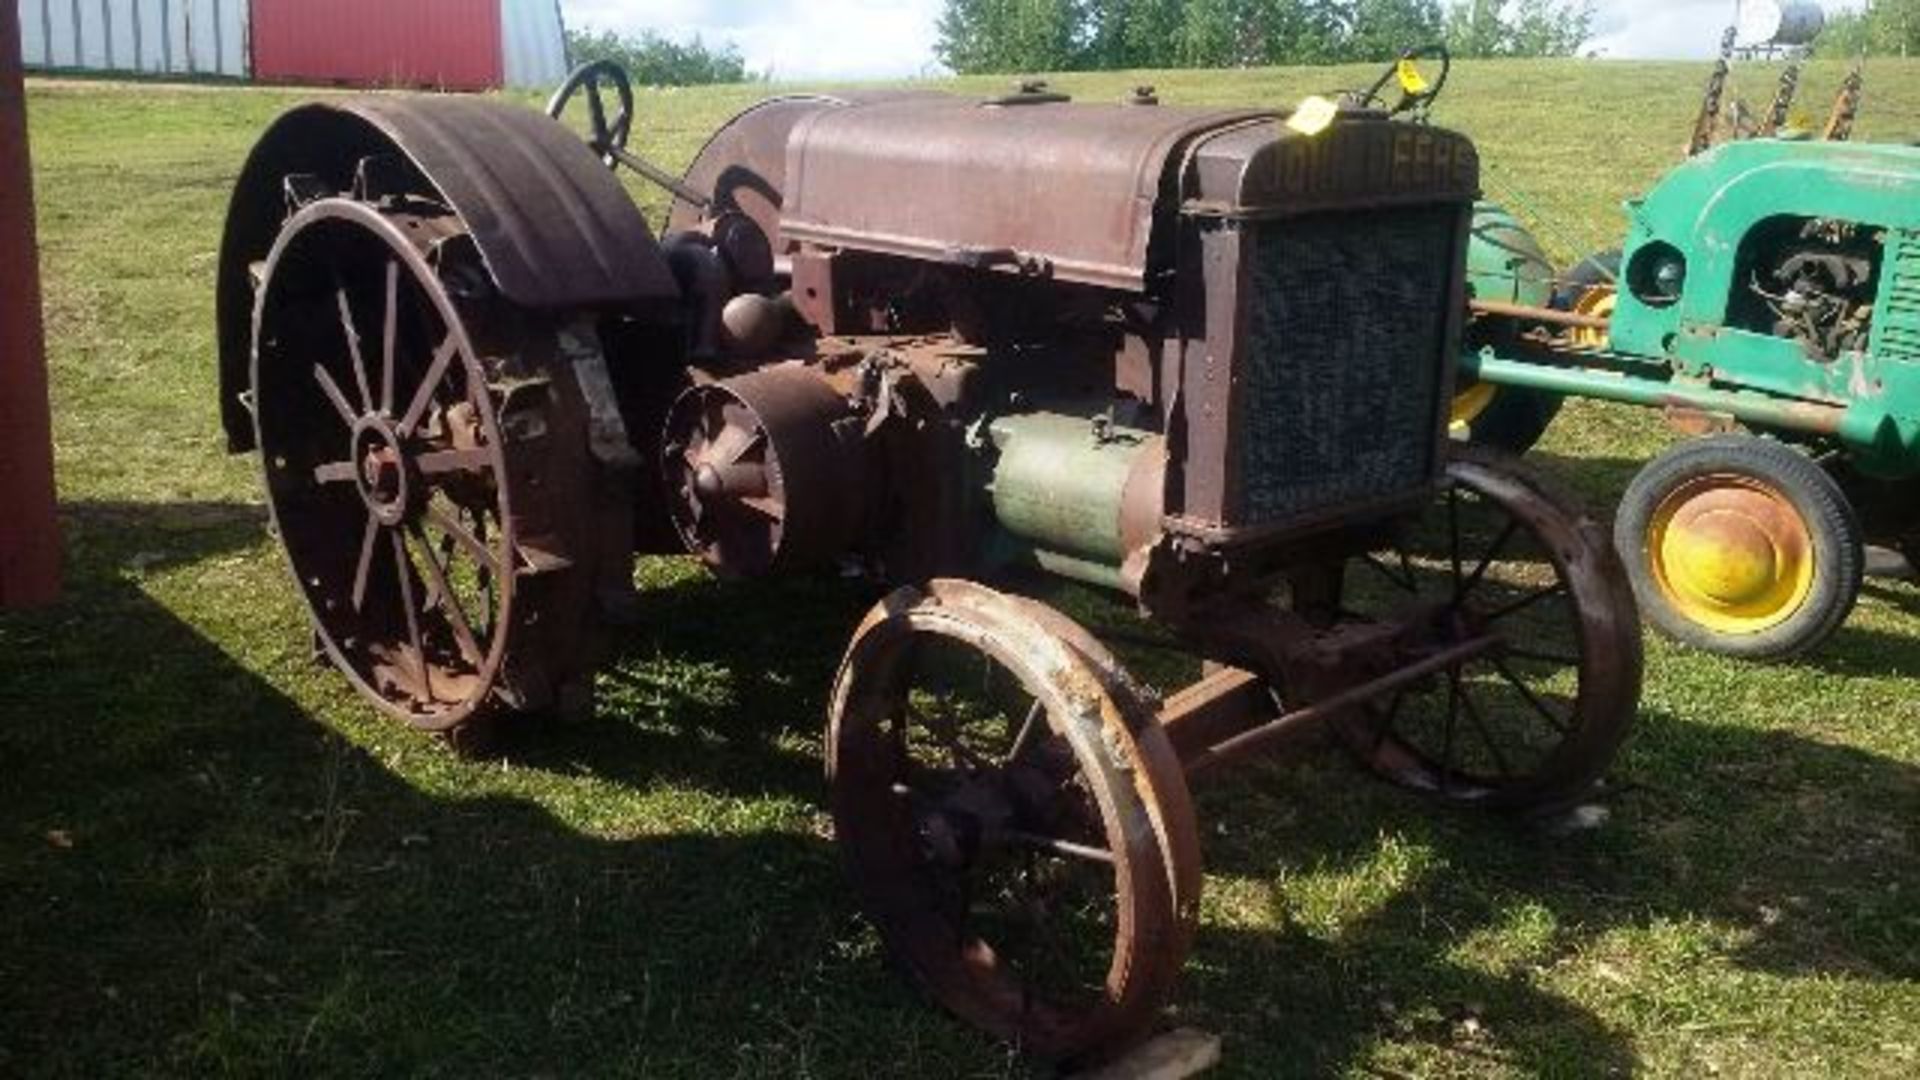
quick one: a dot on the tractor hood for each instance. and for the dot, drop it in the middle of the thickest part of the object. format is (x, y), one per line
(1086, 193)
(983, 183)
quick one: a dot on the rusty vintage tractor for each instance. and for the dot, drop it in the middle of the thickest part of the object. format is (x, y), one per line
(1196, 358)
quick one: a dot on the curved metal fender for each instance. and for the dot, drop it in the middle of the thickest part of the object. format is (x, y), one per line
(554, 226)
(744, 164)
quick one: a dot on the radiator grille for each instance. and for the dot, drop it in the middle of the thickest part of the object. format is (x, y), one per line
(1342, 362)
(1898, 321)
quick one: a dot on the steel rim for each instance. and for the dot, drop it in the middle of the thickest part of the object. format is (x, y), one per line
(1006, 857)
(1732, 554)
(1535, 719)
(376, 422)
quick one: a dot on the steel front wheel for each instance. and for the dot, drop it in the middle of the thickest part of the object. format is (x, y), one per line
(427, 474)
(1013, 819)
(1741, 546)
(1534, 717)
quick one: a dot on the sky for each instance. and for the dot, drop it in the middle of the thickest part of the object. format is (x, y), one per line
(851, 39)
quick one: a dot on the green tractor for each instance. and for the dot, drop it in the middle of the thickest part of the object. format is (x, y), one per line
(1767, 298)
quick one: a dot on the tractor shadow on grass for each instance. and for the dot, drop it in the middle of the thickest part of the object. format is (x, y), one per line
(742, 665)
(1864, 651)
(202, 877)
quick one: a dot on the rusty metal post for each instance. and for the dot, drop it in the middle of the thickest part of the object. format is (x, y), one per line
(29, 541)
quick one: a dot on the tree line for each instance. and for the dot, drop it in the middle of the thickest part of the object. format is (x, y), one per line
(1075, 35)
(1883, 28)
(654, 60)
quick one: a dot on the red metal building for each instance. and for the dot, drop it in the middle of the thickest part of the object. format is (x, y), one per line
(29, 539)
(436, 44)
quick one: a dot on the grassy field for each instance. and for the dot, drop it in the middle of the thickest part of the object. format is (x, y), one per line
(215, 861)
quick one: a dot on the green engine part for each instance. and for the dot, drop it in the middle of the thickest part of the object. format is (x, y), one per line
(1059, 488)
(1697, 321)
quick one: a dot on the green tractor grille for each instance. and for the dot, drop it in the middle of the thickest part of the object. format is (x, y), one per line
(1898, 323)
(1344, 359)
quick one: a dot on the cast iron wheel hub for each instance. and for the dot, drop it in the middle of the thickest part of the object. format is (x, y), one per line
(386, 477)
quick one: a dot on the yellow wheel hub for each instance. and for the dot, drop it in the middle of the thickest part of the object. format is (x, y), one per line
(1468, 404)
(1598, 303)
(1731, 554)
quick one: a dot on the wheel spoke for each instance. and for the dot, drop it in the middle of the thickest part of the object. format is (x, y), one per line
(440, 462)
(1453, 539)
(339, 400)
(1543, 657)
(730, 445)
(1060, 847)
(403, 567)
(1486, 561)
(1385, 726)
(1388, 573)
(353, 348)
(1028, 729)
(1532, 698)
(363, 570)
(338, 472)
(449, 604)
(746, 446)
(1558, 588)
(1446, 738)
(1480, 724)
(950, 736)
(768, 508)
(387, 343)
(423, 397)
(453, 528)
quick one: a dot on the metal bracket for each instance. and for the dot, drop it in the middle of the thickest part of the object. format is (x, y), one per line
(607, 430)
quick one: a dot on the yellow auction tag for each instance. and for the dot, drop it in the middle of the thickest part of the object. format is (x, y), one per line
(1411, 80)
(1313, 115)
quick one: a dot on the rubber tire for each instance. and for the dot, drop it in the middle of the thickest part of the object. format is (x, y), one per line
(1518, 417)
(1833, 526)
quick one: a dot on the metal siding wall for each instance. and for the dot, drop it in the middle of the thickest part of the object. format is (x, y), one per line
(63, 40)
(450, 44)
(33, 33)
(93, 35)
(533, 43)
(177, 37)
(150, 34)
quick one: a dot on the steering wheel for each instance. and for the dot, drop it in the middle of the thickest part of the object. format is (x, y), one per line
(1416, 92)
(608, 138)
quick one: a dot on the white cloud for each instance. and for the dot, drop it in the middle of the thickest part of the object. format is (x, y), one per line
(850, 39)
(1668, 29)
(793, 39)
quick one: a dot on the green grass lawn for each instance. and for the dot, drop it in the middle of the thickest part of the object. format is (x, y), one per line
(215, 860)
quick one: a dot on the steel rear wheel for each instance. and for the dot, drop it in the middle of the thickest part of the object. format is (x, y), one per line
(1533, 721)
(1014, 821)
(425, 473)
